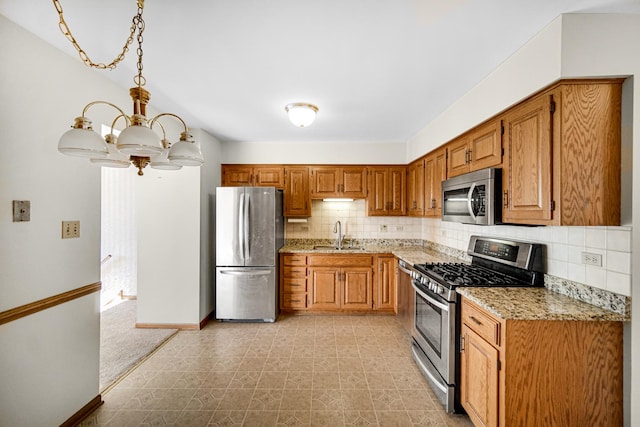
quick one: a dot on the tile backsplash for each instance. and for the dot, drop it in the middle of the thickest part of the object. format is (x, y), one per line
(564, 244)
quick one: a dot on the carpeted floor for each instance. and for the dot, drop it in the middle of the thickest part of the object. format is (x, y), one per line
(121, 344)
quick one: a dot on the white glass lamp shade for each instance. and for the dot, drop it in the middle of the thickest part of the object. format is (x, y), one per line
(139, 140)
(82, 142)
(186, 152)
(114, 159)
(162, 162)
(301, 114)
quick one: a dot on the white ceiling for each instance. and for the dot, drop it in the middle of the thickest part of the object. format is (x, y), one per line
(379, 70)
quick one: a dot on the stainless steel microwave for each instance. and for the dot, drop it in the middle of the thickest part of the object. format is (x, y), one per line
(473, 198)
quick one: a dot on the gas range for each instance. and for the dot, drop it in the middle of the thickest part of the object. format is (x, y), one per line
(494, 262)
(436, 323)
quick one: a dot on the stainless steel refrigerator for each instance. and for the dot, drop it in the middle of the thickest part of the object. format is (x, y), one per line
(249, 234)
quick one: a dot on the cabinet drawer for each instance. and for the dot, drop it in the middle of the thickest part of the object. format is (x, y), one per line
(485, 326)
(294, 272)
(294, 300)
(294, 285)
(294, 260)
(341, 260)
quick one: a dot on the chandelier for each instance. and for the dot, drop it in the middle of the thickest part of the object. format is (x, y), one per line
(138, 143)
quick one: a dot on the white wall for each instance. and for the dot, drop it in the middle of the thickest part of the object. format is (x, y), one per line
(571, 46)
(49, 361)
(319, 153)
(168, 214)
(210, 178)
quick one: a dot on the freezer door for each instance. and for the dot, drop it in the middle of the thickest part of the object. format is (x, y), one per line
(260, 226)
(229, 222)
(248, 294)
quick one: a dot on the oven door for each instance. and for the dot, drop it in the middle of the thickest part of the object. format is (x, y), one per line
(434, 330)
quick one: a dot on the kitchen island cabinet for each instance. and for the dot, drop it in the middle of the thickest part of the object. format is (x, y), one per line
(533, 370)
(562, 156)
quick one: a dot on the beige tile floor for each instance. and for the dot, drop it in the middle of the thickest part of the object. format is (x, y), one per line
(298, 371)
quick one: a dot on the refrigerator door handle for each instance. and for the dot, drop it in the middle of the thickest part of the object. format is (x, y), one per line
(241, 226)
(245, 272)
(247, 228)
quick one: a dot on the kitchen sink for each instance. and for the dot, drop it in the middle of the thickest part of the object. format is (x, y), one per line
(335, 248)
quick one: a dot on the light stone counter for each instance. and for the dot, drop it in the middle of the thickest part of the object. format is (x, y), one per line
(536, 304)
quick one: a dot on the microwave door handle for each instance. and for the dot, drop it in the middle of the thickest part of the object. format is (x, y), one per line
(469, 198)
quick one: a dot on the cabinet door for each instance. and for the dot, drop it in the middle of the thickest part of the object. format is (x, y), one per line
(296, 192)
(458, 157)
(376, 199)
(325, 288)
(385, 292)
(479, 379)
(416, 188)
(237, 176)
(440, 174)
(397, 191)
(353, 182)
(266, 176)
(356, 289)
(485, 146)
(324, 182)
(527, 167)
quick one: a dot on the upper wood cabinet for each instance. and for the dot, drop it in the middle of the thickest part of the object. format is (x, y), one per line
(338, 181)
(416, 188)
(386, 191)
(562, 156)
(253, 176)
(435, 171)
(297, 200)
(478, 149)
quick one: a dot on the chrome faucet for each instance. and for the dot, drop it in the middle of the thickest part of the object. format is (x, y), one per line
(337, 228)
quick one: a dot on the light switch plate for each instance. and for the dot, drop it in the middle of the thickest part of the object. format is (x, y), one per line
(21, 210)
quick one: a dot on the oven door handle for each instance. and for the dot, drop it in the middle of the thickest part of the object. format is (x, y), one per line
(469, 198)
(404, 269)
(441, 306)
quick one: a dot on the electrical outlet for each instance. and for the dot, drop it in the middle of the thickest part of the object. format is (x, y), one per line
(70, 229)
(592, 259)
(383, 228)
(399, 228)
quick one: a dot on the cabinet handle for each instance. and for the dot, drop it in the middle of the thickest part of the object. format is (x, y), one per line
(433, 203)
(476, 321)
(469, 152)
(295, 300)
(505, 199)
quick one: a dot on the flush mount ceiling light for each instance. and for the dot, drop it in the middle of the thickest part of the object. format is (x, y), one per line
(301, 114)
(137, 144)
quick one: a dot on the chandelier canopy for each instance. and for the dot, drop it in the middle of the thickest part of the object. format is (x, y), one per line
(138, 143)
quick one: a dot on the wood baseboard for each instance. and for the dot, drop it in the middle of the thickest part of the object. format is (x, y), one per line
(84, 412)
(204, 321)
(181, 326)
(43, 304)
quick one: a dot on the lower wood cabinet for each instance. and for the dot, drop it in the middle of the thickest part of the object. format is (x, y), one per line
(540, 372)
(337, 283)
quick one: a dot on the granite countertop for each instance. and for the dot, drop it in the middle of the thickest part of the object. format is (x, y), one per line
(536, 304)
(410, 254)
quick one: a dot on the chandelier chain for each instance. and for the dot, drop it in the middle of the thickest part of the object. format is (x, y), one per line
(64, 28)
(139, 22)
